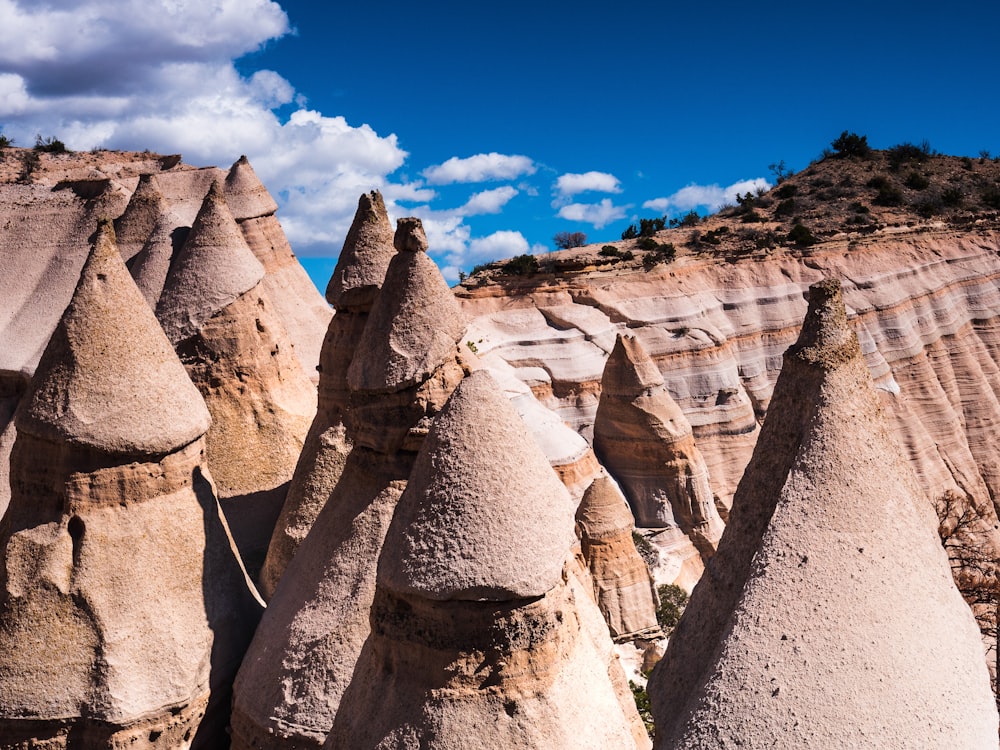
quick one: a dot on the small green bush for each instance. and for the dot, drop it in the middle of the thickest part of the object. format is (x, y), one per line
(786, 191)
(900, 154)
(647, 243)
(645, 549)
(991, 196)
(609, 251)
(649, 227)
(785, 208)
(852, 145)
(916, 181)
(643, 706)
(626, 255)
(477, 268)
(630, 232)
(49, 145)
(6, 142)
(673, 600)
(952, 197)
(30, 161)
(522, 265)
(752, 217)
(801, 236)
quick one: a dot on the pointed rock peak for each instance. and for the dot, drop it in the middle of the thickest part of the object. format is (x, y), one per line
(214, 267)
(413, 327)
(150, 265)
(410, 237)
(245, 193)
(365, 257)
(136, 223)
(604, 510)
(826, 339)
(629, 370)
(484, 516)
(109, 379)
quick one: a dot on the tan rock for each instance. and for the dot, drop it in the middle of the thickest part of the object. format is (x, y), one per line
(353, 287)
(145, 208)
(305, 650)
(829, 616)
(150, 266)
(237, 352)
(246, 195)
(111, 632)
(623, 587)
(646, 442)
(482, 631)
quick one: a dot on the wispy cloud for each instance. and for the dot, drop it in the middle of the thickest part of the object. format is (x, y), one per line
(712, 197)
(569, 184)
(479, 168)
(599, 214)
(487, 202)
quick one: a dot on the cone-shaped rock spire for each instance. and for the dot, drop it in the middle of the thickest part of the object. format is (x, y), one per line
(487, 517)
(150, 266)
(213, 268)
(645, 441)
(108, 371)
(828, 617)
(485, 652)
(622, 584)
(141, 216)
(356, 281)
(245, 193)
(414, 326)
(124, 611)
(365, 257)
(305, 650)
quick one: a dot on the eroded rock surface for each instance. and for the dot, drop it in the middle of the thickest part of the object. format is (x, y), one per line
(306, 648)
(472, 610)
(828, 585)
(355, 283)
(125, 611)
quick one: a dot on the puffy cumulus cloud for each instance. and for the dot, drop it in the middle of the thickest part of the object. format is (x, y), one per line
(569, 184)
(159, 74)
(479, 168)
(599, 214)
(488, 201)
(712, 197)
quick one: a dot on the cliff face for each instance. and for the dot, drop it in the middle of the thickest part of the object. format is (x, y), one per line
(924, 304)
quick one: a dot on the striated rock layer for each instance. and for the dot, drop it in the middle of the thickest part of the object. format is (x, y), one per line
(828, 617)
(304, 652)
(355, 283)
(112, 633)
(925, 305)
(622, 584)
(475, 638)
(645, 441)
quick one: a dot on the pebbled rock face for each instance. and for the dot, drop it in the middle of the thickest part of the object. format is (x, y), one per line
(112, 633)
(778, 647)
(355, 283)
(231, 340)
(304, 653)
(472, 609)
(644, 439)
(623, 587)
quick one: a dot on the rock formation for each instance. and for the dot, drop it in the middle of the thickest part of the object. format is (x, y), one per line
(828, 616)
(406, 364)
(124, 611)
(646, 442)
(353, 288)
(143, 213)
(622, 584)
(301, 308)
(475, 639)
(220, 318)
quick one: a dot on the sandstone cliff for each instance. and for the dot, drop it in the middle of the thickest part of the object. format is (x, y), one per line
(124, 609)
(829, 616)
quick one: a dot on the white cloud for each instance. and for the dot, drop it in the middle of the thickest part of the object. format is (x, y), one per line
(501, 244)
(598, 214)
(600, 182)
(488, 201)
(711, 197)
(479, 168)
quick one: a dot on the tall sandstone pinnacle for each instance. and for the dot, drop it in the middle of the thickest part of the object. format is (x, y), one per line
(646, 443)
(235, 348)
(476, 640)
(355, 283)
(406, 364)
(622, 584)
(828, 617)
(124, 610)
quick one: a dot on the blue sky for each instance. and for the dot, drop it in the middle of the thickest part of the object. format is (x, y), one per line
(498, 124)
